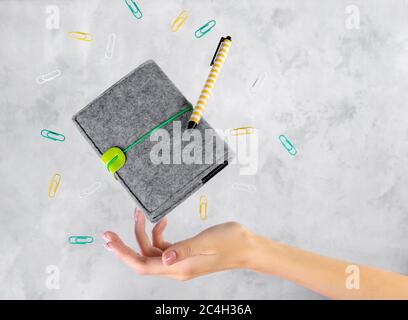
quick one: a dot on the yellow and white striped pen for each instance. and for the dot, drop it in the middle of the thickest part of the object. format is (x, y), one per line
(216, 64)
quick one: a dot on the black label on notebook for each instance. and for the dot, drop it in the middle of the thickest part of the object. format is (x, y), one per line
(214, 172)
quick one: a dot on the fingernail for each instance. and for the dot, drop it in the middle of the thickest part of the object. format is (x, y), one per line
(105, 237)
(108, 247)
(135, 215)
(169, 257)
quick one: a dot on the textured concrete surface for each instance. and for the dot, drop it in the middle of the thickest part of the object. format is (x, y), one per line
(339, 94)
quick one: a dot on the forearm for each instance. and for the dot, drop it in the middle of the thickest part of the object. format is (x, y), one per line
(323, 275)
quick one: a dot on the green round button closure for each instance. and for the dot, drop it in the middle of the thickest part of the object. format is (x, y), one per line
(114, 159)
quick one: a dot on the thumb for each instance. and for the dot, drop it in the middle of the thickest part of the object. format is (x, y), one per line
(180, 251)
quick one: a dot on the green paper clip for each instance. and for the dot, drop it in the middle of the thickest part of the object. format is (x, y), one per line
(287, 145)
(80, 239)
(134, 8)
(52, 135)
(205, 28)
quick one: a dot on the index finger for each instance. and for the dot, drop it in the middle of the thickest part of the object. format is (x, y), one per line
(123, 252)
(142, 238)
(142, 265)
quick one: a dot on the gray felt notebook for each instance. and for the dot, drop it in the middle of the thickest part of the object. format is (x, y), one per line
(132, 107)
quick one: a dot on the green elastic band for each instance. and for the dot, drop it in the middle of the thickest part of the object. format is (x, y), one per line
(146, 135)
(114, 158)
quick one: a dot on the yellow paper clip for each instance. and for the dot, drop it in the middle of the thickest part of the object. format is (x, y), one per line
(78, 35)
(55, 181)
(242, 131)
(203, 207)
(178, 22)
(48, 76)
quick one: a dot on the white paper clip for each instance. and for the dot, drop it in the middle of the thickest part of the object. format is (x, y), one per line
(85, 193)
(258, 83)
(111, 46)
(244, 187)
(48, 76)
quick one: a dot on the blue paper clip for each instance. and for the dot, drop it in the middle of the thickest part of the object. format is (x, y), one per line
(80, 239)
(287, 145)
(205, 28)
(52, 135)
(134, 8)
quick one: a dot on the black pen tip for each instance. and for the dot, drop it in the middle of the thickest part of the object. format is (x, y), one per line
(191, 125)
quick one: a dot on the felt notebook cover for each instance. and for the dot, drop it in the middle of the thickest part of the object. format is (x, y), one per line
(130, 108)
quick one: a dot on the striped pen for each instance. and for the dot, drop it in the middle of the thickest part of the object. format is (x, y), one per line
(216, 63)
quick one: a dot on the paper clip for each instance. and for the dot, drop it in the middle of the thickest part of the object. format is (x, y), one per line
(134, 8)
(90, 190)
(258, 83)
(55, 181)
(80, 239)
(242, 131)
(78, 35)
(244, 187)
(110, 46)
(178, 22)
(203, 207)
(52, 135)
(48, 76)
(287, 145)
(205, 28)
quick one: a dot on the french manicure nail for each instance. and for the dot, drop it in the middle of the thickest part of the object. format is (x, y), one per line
(107, 246)
(135, 215)
(170, 257)
(105, 237)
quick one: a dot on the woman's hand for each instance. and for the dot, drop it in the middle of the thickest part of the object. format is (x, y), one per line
(230, 245)
(221, 247)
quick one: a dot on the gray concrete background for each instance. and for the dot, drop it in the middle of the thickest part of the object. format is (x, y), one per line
(339, 95)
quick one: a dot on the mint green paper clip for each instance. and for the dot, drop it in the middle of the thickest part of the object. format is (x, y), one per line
(205, 29)
(80, 239)
(134, 8)
(287, 145)
(52, 135)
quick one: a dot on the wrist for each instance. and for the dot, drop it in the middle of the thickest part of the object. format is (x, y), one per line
(262, 254)
(243, 247)
(251, 253)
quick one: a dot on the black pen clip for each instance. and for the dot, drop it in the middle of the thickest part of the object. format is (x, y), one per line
(218, 47)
